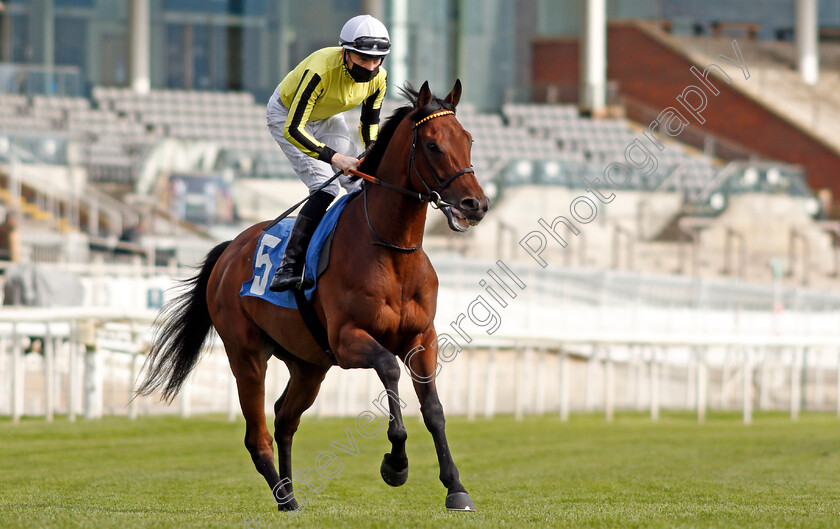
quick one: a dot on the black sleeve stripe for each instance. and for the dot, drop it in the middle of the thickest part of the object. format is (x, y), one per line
(370, 116)
(295, 126)
(297, 89)
(280, 97)
(366, 126)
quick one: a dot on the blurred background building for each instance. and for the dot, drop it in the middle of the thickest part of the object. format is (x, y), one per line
(249, 45)
(124, 95)
(133, 137)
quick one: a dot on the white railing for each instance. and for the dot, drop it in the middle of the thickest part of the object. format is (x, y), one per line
(88, 362)
(548, 287)
(570, 340)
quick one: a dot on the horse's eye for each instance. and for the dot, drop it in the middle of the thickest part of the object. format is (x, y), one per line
(432, 146)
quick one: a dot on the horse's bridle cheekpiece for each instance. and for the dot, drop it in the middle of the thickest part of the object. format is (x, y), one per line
(432, 197)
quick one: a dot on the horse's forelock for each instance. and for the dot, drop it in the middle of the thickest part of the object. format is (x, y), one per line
(410, 93)
(430, 108)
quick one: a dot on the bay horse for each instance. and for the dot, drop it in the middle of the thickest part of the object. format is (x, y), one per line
(377, 299)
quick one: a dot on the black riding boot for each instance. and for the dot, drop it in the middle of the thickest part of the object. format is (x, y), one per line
(290, 272)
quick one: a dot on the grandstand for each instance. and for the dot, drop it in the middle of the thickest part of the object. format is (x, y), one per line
(815, 108)
(115, 134)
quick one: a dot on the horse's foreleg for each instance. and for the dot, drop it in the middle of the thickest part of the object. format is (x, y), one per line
(304, 382)
(422, 366)
(359, 350)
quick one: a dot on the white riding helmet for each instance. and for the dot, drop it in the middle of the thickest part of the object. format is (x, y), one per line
(365, 35)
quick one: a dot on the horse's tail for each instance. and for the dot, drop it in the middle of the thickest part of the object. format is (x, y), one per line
(184, 324)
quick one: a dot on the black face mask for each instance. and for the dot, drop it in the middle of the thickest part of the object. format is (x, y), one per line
(362, 75)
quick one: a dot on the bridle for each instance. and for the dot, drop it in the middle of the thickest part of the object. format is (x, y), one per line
(431, 196)
(434, 196)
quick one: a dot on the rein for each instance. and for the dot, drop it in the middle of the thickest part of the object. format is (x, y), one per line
(432, 197)
(382, 241)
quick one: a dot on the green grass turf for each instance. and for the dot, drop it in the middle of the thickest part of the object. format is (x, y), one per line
(167, 472)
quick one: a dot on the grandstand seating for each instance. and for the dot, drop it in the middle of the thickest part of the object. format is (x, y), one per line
(526, 144)
(603, 141)
(117, 126)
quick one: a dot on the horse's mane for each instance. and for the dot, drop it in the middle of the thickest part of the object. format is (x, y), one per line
(386, 132)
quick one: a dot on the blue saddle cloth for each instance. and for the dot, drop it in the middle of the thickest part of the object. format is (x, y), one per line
(270, 251)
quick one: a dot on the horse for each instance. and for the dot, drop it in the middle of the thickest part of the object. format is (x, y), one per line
(376, 299)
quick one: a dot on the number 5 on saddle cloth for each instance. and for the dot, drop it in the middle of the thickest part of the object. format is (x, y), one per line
(269, 253)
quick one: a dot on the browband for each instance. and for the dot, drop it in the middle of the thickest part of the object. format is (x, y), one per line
(432, 116)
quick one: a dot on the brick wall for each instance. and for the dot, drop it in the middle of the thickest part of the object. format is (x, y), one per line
(653, 74)
(555, 67)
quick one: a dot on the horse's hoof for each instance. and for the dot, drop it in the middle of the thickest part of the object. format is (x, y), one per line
(291, 505)
(287, 502)
(392, 476)
(460, 501)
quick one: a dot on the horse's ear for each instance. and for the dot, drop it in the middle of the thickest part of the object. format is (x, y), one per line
(455, 95)
(424, 95)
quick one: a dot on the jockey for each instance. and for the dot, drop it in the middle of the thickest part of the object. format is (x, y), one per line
(304, 118)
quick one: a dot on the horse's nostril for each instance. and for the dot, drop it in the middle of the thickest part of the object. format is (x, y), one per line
(469, 204)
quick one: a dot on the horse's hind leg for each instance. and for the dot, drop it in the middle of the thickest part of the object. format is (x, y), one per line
(304, 382)
(249, 366)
